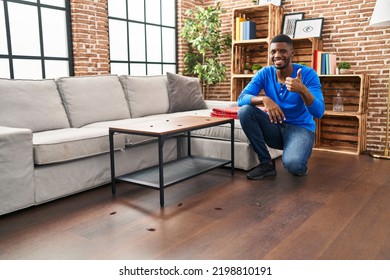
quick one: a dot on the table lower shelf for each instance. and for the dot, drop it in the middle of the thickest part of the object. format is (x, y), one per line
(174, 171)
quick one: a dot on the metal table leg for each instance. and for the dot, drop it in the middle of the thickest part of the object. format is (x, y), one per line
(112, 161)
(232, 146)
(161, 141)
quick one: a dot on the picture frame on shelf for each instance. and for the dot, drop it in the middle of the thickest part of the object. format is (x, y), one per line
(275, 2)
(288, 24)
(309, 28)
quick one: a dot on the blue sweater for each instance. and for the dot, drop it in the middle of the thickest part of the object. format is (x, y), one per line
(291, 103)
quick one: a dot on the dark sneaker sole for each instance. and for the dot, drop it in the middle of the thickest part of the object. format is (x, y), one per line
(267, 174)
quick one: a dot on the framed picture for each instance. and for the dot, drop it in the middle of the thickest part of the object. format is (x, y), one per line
(288, 25)
(275, 2)
(308, 28)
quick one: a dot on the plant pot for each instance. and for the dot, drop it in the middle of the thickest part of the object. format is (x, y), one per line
(343, 71)
(246, 71)
(255, 71)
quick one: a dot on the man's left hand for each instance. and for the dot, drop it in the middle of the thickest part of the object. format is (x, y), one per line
(295, 84)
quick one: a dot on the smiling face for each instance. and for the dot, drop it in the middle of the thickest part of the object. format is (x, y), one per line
(281, 54)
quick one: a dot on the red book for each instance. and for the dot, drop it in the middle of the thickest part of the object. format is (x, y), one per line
(315, 60)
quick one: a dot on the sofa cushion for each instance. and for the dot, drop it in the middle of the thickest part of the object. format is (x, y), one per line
(62, 145)
(146, 95)
(91, 99)
(185, 93)
(32, 104)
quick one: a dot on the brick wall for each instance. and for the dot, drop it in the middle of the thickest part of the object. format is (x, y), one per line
(345, 32)
(90, 37)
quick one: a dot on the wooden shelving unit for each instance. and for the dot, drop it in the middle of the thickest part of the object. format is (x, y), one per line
(345, 131)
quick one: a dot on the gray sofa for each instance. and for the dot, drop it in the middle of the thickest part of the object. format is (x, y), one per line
(54, 133)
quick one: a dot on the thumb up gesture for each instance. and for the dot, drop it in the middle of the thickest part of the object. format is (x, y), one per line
(295, 84)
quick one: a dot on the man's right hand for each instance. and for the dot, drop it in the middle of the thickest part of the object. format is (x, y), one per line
(276, 114)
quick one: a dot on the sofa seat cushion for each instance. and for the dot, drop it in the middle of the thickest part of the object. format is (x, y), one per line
(62, 145)
(32, 104)
(146, 95)
(92, 99)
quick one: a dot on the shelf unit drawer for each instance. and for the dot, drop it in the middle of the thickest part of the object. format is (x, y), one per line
(238, 84)
(354, 91)
(253, 51)
(304, 49)
(342, 133)
(267, 18)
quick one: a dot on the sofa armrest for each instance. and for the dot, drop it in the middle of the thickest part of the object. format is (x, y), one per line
(220, 104)
(17, 169)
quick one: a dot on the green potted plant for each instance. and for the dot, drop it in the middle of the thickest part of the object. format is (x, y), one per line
(247, 67)
(256, 67)
(343, 67)
(202, 30)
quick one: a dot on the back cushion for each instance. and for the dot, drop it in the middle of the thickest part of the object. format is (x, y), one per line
(33, 104)
(185, 93)
(92, 99)
(146, 95)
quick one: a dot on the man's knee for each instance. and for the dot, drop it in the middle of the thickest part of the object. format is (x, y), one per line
(294, 166)
(244, 111)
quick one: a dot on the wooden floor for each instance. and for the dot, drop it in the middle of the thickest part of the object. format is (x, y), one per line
(341, 210)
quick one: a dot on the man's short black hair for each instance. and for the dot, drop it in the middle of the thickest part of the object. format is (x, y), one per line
(281, 38)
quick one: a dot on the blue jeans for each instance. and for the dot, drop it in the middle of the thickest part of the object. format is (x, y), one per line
(296, 142)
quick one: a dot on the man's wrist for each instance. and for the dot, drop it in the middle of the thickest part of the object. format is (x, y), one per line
(257, 100)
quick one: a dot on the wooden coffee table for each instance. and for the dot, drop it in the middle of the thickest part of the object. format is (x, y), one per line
(168, 173)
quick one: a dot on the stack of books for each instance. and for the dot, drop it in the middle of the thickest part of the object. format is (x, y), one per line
(231, 112)
(245, 29)
(324, 63)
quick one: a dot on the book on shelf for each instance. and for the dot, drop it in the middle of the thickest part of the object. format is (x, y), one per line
(245, 29)
(249, 30)
(324, 63)
(242, 30)
(238, 28)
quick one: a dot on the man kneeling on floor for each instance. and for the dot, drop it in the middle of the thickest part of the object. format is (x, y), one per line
(293, 98)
